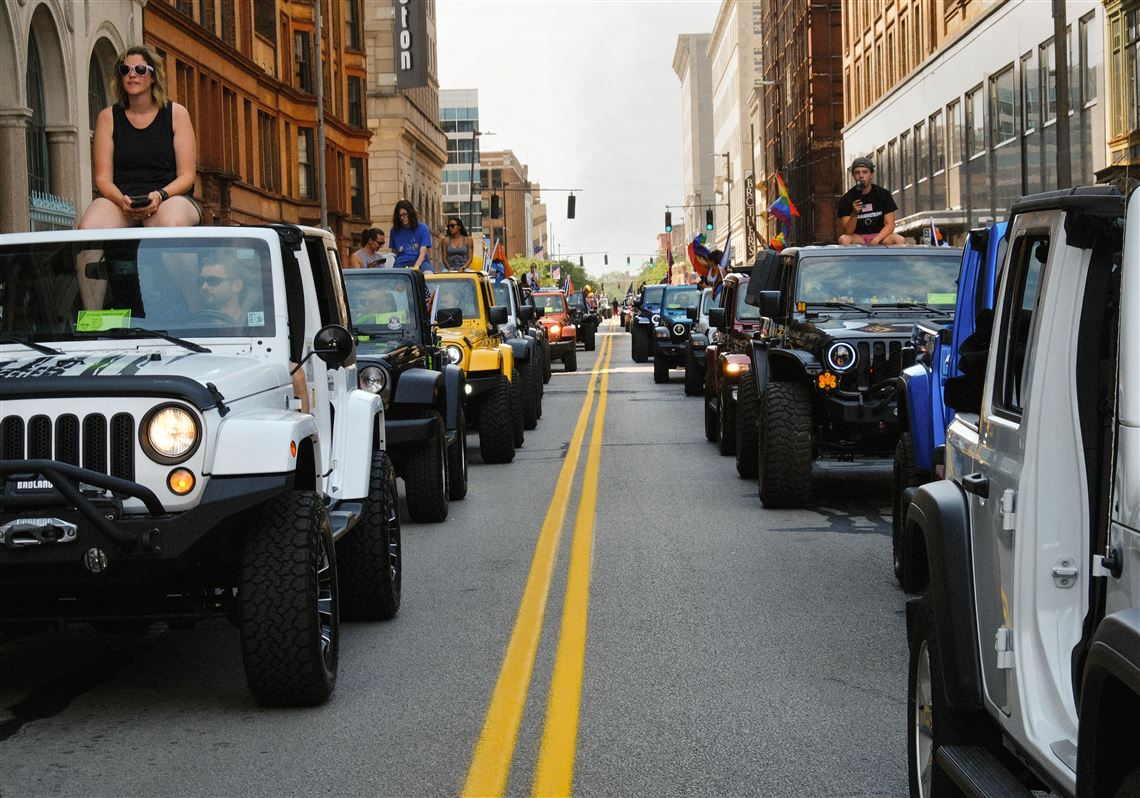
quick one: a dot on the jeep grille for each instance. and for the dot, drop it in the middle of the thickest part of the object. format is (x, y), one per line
(878, 360)
(93, 444)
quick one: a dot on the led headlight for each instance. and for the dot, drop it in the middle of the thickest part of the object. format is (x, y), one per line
(554, 330)
(655, 318)
(170, 434)
(373, 379)
(678, 329)
(455, 354)
(841, 356)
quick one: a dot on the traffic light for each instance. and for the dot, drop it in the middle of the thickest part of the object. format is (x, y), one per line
(627, 261)
(668, 221)
(570, 207)
(607, 258)
(494, 206)
(708, 218)
(581, 261)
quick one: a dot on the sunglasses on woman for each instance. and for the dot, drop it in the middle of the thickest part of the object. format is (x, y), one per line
(138, 69)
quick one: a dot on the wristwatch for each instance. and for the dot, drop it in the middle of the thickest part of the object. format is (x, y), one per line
(162, 193)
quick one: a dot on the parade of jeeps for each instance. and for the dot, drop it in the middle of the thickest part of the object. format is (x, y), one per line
(699, 399)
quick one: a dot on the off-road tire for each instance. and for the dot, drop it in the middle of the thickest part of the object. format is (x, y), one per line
(538, 390)
(496, 424)
(425, 476)
(785, 446)
(904, 475)
(457, 459)
(570, 361)
(711, 429)
(660, 369)
(588, 341)
(694, 377)
(638, 346)
(516, 410)
(546, 371)
(528, 395)
(725, 423)
(926, 701)
(747, 433)
(370, 557)
(287, 602)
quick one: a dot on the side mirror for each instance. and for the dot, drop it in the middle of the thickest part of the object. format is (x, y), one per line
(716, 318)
(333, 344)
(448, 317)
(497, 314)
(691, 313)
(539, 311)
(770, 304)
(526, 313)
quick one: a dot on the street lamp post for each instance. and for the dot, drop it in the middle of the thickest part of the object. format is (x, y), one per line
(728, 194)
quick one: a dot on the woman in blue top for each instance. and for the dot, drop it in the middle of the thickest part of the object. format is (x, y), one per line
(410, 238)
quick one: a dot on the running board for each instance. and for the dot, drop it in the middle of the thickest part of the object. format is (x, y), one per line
(978, 773)
(344, 518)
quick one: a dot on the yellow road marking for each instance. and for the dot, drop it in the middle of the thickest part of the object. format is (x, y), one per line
(555, 772)
(491, 762)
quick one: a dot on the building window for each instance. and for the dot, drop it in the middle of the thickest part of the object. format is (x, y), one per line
(1090, 59)
(229, 131)
(355, 106)
(206, 14)
(918, 49)
(954, 132)
(229, 23)
(265, 20)
(39, 161)
(352, 24)
(185, 7)
(975, 122)
(268, 143)
(96, 91)
(303, 60)
(356, 186)
(1049, 83)
(1003, 120)
(305, 181)
(906, 159)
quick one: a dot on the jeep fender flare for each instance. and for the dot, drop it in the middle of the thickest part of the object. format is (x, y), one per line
(791, 365)
(914, 391)
(486, 359)
(1109, 695)
(939, 518)
(761, 368)
(454, 383)
(354, 449)
(270, 434)
(521, 348)
(418, 386)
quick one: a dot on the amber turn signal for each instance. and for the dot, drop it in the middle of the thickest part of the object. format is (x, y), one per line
(181, 481)
(826, 381)
(292, 448)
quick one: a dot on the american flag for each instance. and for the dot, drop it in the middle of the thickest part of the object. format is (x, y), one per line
(538, 249)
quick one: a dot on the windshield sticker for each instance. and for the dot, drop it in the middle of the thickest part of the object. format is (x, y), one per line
(99, 320)
(255, 318)
(941, 299)
(394, 323)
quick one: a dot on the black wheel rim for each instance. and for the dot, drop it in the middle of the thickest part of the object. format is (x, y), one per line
(326, 606)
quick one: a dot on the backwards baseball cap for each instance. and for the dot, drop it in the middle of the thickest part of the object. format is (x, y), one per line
(867, 162)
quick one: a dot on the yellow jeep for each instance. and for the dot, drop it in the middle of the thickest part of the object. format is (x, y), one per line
(467, 322)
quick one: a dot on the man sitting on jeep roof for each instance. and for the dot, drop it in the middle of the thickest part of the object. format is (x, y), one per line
(867, 212)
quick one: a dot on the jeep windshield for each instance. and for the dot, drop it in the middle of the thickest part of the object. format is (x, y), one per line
(550, 303)
(744, 311)
(180, 287)
(502, 292)
(381, 303)
(895, 279)
(681, 298)
(452, 293)
(652, 295)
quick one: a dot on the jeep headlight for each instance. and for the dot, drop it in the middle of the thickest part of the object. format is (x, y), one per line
(170, 434)
(454, 354)
(655, 318)
(841, 356)
(373, 379)
(678, 329)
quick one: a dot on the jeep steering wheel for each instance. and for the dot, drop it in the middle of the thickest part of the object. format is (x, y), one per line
(211, 318)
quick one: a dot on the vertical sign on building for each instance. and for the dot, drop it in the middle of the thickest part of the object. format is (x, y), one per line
(751, 235)
(411, 44)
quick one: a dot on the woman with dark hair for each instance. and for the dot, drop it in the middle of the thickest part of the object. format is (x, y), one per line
(458, 248)
(145, 154)
(410, 238)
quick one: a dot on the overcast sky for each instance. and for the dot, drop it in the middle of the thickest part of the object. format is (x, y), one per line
(583, 92)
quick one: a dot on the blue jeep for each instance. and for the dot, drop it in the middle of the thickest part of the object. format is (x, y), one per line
(923, 412)
(646, 315)
(671, 334)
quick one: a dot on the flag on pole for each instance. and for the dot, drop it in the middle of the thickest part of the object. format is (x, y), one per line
(499, 256)
(569, 284)
(936, 237)
(778, 241)
(556, 274)
(629, 291)
(782, 208)
(698, 255)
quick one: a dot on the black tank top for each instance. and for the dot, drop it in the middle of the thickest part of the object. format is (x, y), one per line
(144, 158)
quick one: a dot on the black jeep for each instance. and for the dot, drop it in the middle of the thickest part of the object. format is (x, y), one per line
(672, 333)
(528, 351)
(824, 365)
(399, 358)
(645, 316)
(586, 320)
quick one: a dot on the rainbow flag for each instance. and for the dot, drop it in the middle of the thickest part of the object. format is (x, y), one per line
(782, 208)
(778, 241)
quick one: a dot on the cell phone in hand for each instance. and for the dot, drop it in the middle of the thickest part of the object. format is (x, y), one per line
(140, 202)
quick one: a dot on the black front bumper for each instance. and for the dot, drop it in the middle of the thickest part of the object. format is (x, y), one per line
(857, 423)
(48, 532)
(671, 350)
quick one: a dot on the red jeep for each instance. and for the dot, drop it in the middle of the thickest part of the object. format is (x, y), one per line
(560, 330)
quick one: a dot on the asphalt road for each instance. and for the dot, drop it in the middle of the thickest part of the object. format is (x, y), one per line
(710, 647)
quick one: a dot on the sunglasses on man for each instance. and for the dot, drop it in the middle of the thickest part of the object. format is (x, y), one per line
(214, 281)
(138, 69)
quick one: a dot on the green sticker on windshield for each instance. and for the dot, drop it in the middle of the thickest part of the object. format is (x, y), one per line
(99, 320)
(941, 299)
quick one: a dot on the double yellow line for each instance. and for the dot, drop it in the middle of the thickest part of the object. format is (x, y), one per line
(491, 763)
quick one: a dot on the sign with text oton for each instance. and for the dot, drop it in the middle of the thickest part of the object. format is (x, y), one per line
(411, 43)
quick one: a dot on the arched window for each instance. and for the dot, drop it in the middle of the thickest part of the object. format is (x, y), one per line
(39, 162)
(96, 91)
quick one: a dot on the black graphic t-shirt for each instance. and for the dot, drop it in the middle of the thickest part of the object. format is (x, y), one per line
(876, 203)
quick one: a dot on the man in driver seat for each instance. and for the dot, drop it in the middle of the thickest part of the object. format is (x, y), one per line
(220, 292)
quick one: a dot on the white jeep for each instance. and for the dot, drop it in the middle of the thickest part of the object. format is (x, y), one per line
(156, 462)
(1025, 644)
